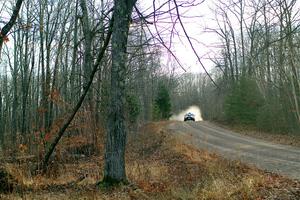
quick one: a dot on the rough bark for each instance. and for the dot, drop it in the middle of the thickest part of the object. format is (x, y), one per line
(114, 167)
(1, 121)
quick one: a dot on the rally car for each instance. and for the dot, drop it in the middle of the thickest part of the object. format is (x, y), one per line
(189, 117)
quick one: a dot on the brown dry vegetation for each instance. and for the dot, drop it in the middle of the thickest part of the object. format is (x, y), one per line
(159, 166)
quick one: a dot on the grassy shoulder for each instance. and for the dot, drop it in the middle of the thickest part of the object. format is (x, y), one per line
(159, 166)
(286, 139)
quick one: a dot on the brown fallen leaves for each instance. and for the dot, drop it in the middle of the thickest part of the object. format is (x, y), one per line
(158, 166)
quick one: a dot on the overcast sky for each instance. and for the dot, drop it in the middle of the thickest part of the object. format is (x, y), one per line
(196, 19)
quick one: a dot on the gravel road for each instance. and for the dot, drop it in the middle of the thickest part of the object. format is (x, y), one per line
(276, 158)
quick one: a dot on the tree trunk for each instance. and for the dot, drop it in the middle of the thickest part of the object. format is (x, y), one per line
(26, 74)
(15, 69)
(114, 167)
(42, 64)
(74, 57)
(1, 122)
(88, 63)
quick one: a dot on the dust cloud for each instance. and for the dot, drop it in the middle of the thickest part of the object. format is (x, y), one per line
(193, 109)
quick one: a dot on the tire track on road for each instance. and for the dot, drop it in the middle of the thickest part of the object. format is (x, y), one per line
(277, 158)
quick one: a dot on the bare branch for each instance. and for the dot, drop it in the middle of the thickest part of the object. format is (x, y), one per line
(192, 46)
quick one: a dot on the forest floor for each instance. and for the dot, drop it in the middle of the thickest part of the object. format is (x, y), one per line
(159, 166)
(286, 139)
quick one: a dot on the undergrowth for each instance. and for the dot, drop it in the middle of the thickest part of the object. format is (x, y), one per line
(158, 166)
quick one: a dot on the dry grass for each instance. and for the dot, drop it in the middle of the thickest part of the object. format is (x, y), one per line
(158, 166)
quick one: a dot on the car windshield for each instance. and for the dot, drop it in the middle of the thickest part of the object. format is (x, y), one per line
(189, 114)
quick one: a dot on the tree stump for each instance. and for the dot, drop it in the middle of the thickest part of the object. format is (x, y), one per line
(7, 182)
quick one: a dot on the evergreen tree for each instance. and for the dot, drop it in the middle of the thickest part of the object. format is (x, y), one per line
(133, 108)
(243, 103)
(162, 103)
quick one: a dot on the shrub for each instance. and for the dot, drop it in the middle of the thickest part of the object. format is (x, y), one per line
(133, 107)
(243, 102)
(271, 118)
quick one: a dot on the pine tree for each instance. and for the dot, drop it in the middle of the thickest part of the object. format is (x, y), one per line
(163, 102)
(243, 103)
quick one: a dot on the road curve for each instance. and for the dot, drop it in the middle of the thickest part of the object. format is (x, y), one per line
(282, 159)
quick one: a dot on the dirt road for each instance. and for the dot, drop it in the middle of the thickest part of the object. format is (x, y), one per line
(277, 158)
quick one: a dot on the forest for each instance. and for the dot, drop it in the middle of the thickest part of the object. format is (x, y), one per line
(87, 76)
(256, 69)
